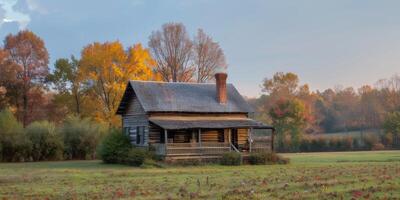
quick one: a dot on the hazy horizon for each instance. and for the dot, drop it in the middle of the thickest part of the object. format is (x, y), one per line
(349, 43)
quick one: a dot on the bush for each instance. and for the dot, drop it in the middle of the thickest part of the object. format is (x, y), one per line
(46, 142)
(135, 157)
(378, 146)
(81, 137)
(257, 158)
(370, 140)
(231, 158)
(115, 147)
(267, 158)
(14, 145)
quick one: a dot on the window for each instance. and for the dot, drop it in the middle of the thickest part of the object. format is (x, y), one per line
(140, 135)
(136, 134)
(132, 134)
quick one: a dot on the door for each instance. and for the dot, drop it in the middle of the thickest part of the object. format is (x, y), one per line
(234, 137)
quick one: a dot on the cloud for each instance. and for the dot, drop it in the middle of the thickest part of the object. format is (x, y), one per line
(19, 11)
(12, 15)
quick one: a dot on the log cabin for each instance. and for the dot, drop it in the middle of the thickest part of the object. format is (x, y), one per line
(188, 120)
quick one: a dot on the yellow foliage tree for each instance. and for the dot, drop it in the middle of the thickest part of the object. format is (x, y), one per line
(105, 68)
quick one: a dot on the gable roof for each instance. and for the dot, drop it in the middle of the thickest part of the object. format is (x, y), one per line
(183, 97)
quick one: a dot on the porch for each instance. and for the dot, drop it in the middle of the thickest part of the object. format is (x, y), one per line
(208, 142)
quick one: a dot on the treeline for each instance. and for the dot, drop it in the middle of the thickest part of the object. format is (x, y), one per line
(296, 112)
(91, 85)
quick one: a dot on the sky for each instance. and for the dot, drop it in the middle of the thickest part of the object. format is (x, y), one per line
(327, 43)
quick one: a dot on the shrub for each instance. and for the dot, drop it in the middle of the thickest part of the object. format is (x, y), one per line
(370, 140)
(231, 158)
(378, 146)
(46, 142)
(115, 147)
(14, 146)
(135, 157)
(257, 158)
(81, 137)
(266, 158)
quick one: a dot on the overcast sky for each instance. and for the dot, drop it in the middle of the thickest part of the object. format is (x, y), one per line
(327, 43)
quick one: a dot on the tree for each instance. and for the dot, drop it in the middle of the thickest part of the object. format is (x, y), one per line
(105, 69)
(66, 82)
(289, 118)
(208, 57)
(371, 109)
(28, 59)
(3, 90)
(282, 84)
(171, 47)
(392, 123)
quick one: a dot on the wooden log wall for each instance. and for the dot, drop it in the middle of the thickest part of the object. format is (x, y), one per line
(216, 135)
(242, 136)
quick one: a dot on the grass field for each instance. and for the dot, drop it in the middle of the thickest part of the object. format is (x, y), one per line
(346, 175)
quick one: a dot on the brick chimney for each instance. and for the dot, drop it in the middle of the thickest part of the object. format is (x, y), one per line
(220, 79)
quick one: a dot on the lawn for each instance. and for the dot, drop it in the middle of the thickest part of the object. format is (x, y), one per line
(346, 175)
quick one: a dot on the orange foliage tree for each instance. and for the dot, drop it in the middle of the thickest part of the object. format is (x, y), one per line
(105, 69)
(24, 71)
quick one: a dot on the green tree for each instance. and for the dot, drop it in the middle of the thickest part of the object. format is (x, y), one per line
(289, 118)
(14, 145)
(65, 80)
(391, 125)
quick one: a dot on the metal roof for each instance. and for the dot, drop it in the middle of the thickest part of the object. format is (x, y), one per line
(174, 123)
(183, 97)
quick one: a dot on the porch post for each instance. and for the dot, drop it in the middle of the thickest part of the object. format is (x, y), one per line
(250, 139)
(200, 149)
(166, 140)
(229, 139)
(200, 137)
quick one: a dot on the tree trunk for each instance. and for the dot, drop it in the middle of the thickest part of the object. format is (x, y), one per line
(25, 112)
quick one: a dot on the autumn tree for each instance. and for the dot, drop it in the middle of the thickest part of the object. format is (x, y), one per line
(26, 70)
(171, 47)
(208, 57)
(65, 81)
(3, 90)
(371, 109)
(105, 69)
(281, 84)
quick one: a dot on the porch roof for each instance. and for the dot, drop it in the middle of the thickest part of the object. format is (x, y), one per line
(168, 122)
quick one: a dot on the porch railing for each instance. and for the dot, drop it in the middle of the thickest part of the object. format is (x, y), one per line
(261, 144)
(205, 148)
